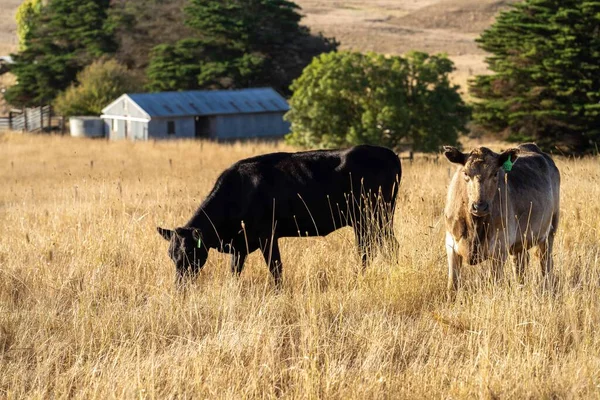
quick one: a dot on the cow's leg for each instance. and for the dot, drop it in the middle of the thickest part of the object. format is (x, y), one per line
(498, 262)
(454, 264)
(498, 250)
(385, 231)
(273, 259)
(546, 262)
(237, 262)
(545, 248)
(520, 259)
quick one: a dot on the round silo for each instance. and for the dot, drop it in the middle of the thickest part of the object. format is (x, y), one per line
(91, 127)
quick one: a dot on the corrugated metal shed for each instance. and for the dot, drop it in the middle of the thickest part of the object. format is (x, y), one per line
(205, 103)
(224, 114)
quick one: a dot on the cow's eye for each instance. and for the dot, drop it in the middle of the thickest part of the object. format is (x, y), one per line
(466, 176)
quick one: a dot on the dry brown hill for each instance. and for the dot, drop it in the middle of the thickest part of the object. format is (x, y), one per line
(398, 26)
(385, 26)
(8, 37)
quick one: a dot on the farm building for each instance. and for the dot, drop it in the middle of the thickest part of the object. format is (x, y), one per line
(222, 114)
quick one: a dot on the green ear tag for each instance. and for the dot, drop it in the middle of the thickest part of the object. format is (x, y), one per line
(507, 166)
(199, 243)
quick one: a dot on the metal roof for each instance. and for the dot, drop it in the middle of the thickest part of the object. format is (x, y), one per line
(209, 102)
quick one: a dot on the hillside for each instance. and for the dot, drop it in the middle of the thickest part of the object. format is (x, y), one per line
(398, 26)
(8, 37)
(385, 26)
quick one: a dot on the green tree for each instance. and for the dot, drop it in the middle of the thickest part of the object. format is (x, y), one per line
(347, 98)
(237, 43)
(67, 36)
(194, 64)
(98, 84)
(545, 84)
(25, 17)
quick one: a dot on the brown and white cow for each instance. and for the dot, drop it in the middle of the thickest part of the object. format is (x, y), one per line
(495, 208)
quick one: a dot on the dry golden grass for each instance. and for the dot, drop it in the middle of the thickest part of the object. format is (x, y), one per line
(88, 308)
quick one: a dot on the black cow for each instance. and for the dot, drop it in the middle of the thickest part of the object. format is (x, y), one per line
(260, 199)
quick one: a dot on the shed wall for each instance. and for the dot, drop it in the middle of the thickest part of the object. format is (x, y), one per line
(184, 128)
(117, 129)
(243, 126)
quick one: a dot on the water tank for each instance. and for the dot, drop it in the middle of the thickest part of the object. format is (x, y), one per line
(92, 127)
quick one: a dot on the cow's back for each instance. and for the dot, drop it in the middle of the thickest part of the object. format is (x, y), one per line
(312, 193)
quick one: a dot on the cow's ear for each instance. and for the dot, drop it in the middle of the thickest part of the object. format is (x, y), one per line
(454, 155)
(188, 233)
(508, 157)
(165, 233)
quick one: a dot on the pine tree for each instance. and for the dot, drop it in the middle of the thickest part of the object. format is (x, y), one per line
(66, 36)
(545, 84)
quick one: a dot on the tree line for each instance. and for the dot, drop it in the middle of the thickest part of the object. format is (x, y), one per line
(172, 45)
(544, 57)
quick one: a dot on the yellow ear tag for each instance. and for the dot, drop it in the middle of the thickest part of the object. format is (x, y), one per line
(507, 166)
(199, 243)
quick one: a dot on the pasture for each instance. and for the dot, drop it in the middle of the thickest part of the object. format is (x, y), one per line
(88, 307)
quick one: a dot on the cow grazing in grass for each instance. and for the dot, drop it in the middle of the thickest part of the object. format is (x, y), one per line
(495, 208)
(261, 199)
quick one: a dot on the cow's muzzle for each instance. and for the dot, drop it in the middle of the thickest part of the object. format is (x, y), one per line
(480, 209)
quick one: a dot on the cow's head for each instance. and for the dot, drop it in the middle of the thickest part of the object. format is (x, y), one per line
(480, 169)
(186, 250)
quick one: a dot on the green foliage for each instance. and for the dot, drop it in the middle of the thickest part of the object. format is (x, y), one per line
(193, 64)
(347, 98)
(545, 84)
(98, 84)
(25, 17)
(237, 43)
(66, 36)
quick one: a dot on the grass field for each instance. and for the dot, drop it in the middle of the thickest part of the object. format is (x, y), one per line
(88, 307)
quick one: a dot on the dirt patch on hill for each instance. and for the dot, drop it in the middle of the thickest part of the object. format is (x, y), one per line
(8, 43)
(456, 15)
(399, 26)
(8, 26)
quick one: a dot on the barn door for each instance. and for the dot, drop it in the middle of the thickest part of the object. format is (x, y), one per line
(202, 126)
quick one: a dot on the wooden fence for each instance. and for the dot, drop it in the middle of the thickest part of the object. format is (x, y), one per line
(29, 119)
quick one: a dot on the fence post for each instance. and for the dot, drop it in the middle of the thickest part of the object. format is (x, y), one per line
(50, 117)
(10, 125)
(62, 124)
(41, 119)
(24, 120)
